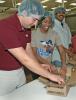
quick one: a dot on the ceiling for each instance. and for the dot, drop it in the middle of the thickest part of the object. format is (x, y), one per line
(50, 4)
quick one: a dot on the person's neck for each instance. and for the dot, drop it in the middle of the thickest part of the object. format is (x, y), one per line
(43, 31)
(61, 21)
(20, 19)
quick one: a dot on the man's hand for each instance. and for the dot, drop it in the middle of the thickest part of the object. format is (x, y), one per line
(70, 53)
(57, 78)
(53, 77)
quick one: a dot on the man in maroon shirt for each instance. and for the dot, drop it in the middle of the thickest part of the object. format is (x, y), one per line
(15, 48)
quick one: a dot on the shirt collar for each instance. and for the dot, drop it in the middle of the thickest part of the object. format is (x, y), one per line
(58, 22)
(16, 22)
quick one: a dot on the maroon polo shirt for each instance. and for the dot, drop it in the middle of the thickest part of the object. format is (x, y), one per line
(12, 36)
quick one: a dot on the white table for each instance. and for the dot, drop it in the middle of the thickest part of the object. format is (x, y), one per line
(36, 91)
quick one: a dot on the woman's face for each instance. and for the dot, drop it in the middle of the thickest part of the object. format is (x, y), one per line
(46, 23)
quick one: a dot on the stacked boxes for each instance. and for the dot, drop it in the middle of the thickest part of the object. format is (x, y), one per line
(61, 90)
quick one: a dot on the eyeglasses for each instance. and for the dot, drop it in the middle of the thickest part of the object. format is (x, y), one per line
(35, 19)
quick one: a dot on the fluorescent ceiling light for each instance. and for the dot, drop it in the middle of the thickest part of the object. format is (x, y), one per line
(44, 6)
(18, 4)
(73, 8)
(54, 8)
(68, 10)
(73, 4)
(60, 1)
(2, 1)
(44, 1)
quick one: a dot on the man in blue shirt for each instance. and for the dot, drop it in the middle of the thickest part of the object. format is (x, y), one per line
(63, 31)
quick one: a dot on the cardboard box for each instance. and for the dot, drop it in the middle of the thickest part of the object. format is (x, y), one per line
(60, 90)
(72, 81)
(54, 88)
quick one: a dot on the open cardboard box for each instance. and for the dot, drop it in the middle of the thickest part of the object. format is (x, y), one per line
(54, 88)
(60, 90)
(72, 81)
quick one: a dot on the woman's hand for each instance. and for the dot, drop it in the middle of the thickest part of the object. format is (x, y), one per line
(50, 68)
(54, 69)
(47, 67)
(53, 77)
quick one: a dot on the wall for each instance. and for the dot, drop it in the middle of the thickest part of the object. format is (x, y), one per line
(6, 13)
(71, 21)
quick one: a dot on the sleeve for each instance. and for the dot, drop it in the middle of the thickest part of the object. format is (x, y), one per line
(70, 35)
(33, 38)
(57, 40)
(9, 40)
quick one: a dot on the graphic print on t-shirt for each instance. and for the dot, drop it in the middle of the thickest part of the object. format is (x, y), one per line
(47, 48)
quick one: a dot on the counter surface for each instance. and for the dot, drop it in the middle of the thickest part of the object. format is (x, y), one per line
(35, 91)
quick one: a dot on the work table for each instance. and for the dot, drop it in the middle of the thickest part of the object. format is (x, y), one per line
(35, 91)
